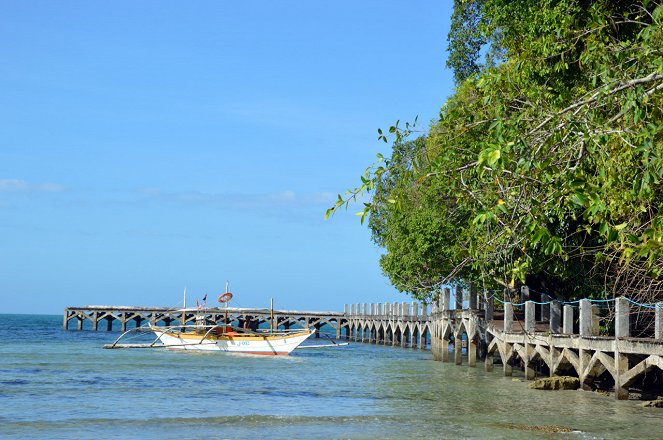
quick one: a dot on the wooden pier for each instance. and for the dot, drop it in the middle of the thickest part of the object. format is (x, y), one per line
(125, 317)
(543, 339)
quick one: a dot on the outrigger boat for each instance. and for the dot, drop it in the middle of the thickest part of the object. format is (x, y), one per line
(231, 339)
(210, 336)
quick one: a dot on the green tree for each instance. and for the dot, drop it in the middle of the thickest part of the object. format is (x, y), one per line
(545, 168)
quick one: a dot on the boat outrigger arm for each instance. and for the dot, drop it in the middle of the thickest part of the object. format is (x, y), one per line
(220, 337)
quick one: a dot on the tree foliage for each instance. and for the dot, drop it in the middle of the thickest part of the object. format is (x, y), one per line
(546, 168)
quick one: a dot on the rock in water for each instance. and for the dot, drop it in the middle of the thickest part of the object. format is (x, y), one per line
(556, 383)
(658, 403)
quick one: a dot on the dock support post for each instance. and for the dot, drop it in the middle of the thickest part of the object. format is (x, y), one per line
(658, 326)
(65, 320)
(471, 351)
(507, 367)
(586, 318)
(95, 321)
(472, 300)
(568, 320)
(530, 374)
(622, 315)
(508, 317)
(530, 322)
(459, 298)
(488, 363)
(545, 308)
(80, 322)
(109, 323)
(458, 349)
(524, 294)
(489, 307)
(555, 317)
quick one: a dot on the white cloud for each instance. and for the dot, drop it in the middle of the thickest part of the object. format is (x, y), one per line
(16, 185)
(281, 199)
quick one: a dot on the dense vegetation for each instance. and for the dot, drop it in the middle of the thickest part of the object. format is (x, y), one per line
(545, 167)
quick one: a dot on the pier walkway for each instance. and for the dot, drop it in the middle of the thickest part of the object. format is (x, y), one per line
(543, 338)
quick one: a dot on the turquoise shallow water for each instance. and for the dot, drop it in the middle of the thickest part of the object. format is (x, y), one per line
(59, 384)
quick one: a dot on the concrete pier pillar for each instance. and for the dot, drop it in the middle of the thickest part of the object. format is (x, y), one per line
(395, 310)
(372, 312)
(508, 317)
(405, 309)
(524, 294)
(568, 320)
(459, 298)
(378, 310)
(472, 300)
(471, 352)
(424, 309)
(109, 323)
(621, 367)
(458, 349)
(445, 300)
(530, 321)
(658, 325)
(530, 374)
(352, 309)
(507, 368)
(488, 362)
(489, 306)
(365, 309)
(622, 318)
(545, 308)
(345, 309)
(555, 317)
(415, 309)
(95, 321)
(80, 322)
(588, 322)
(444, 349)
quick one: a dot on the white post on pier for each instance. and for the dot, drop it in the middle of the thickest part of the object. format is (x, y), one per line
(658, 325)
(530, 318)
(588, 319)
(555, 317)
(567, 322)
(508, 317)
(472, 300)
(622, 318)
(445, 300)
(459, 298)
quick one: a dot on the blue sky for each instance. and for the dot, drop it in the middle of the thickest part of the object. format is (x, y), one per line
(150, 146)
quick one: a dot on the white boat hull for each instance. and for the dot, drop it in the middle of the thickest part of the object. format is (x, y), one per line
(262, 344)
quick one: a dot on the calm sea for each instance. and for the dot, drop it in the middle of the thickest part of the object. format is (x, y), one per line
(59, 384)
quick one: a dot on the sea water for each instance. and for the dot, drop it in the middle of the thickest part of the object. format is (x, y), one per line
(57, 384)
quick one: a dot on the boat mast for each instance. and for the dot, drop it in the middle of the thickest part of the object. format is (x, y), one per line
(271, 314)
(183, 320)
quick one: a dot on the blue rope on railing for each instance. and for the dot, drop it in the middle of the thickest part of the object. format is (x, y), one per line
(649, 306)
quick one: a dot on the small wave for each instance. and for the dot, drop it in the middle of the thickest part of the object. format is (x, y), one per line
(254, 420)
